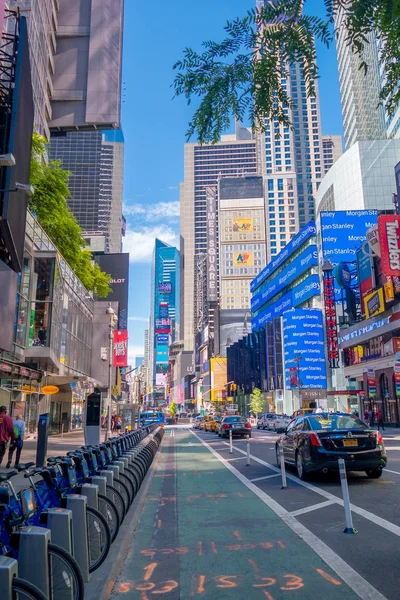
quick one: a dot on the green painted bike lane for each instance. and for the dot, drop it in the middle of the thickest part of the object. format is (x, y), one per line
(204, 535)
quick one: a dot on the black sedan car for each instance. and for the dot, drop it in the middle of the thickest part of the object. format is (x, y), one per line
(315, 442)
(239, 426)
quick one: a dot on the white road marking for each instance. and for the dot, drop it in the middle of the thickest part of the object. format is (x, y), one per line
(356, 509)
(389, 471)
(237, 458)
(265, 477)
(354, 580)
(307, 509)
(392, 448)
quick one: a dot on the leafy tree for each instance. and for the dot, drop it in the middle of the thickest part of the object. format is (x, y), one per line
(50, 206)
(256, 401)
(172, 408)
(242, 75)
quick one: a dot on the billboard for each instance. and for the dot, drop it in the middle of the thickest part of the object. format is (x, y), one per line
(299, 265)
(120, 348)
(162, 339)
(161, 354)
(243, 259)
(161, 379)
(164, 287)
(117, 266)
(374, 303)
(211, 221)
(163, 310)
(303, 336)
(302, 292)
(343, 232)
(365, 274)
(16, 138)
(242, 224)
(304, 234)
(389, 244)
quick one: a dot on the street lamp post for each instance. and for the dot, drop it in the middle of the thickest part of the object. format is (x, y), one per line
(110, 312)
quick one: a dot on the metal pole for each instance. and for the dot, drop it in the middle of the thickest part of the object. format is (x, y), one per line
(248, 454)
(283, 468)
(230, 442)
(110, 352)
(346, 497)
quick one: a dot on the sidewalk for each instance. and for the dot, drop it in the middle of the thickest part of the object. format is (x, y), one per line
(203, 534)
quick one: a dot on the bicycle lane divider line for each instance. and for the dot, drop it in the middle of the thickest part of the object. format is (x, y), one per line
(307, 509)
(332, 561)
(392, 527)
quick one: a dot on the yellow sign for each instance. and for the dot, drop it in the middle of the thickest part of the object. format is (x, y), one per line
(50, 389)
(242, 225)
(28, 389)
(388, 288)
(218, 368)
(243, 259)
(374, 303)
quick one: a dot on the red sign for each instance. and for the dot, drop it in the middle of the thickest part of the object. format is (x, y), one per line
(293, 376)
(330, 322)
(389, 243)
(120, 352)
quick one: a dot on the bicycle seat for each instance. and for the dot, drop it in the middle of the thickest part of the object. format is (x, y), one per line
(7, 476)
(25, 466)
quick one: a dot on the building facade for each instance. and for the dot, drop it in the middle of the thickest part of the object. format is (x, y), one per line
(332, 149)
(165, 311)
(233, 156)
(95, 160)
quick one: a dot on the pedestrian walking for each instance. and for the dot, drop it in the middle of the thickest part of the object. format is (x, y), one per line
(118, 425)
(371, 418)
(366, 416)
(19, 430)
(6, 431)
(379, 419)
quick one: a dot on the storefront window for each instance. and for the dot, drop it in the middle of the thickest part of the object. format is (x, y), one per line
(23, 314)
(44, 270)
(55, 417)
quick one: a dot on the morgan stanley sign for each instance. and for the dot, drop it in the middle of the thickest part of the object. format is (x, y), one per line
(211, 244)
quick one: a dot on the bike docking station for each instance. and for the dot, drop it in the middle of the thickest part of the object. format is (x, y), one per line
(33, 563)
(59, 521)
(77, 504)
(8, 570)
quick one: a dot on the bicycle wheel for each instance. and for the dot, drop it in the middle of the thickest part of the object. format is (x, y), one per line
(129, 485)
(23, 590)
(66, 581)
(133, 478)
(110, 512)
(123, 490)
(113, 494)
(99, 538)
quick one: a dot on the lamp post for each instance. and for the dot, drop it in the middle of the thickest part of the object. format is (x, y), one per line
(110, 312)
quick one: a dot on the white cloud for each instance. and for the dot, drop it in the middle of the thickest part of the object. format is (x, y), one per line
(154, 212)
(142, 319)
(140, 243)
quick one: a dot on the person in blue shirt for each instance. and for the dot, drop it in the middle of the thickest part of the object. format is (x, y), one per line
(19, 429)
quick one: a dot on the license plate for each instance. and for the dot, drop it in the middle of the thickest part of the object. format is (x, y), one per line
(350, 443)
(235, 426)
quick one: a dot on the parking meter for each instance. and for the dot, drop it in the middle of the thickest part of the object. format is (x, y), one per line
(43, 434)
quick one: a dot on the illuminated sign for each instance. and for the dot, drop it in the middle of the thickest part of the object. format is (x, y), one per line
(211, 245)
(120, 349)
(50, 390)
(389, 243)
(164, 287)
(330, 320)
(374, 303)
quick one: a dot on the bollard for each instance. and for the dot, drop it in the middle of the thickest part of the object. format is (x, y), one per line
(230, 442)
(248, 454)
(8, 570)
(62, 430)
(283, 468)
(346, 497)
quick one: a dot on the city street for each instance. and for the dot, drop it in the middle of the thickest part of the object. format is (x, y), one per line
(212, 527)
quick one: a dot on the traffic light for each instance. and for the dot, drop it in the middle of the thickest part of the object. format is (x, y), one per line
(141, 398)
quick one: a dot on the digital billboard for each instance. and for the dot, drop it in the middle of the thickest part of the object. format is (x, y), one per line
(162, 339)
(117, 266)
(299, 265)
(163, 310)
(343, 232)
(365, 274)
(211, 244)
(164, 287)
(303, 335)
(243, 224)
(389, 244)
(298, 295)
(161, 354)
(161, 379)
(374, 303)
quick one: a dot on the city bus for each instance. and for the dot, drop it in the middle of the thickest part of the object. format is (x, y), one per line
(152, 416)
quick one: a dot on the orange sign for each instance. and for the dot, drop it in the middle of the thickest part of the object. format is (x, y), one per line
(50, 390)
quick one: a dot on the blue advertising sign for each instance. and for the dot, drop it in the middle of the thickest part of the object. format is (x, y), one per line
(343, 232)
(163, 310)
(299, 265)
(303, 335)
(302, 292)
(161, 354)
(162, 339)
(304, 234)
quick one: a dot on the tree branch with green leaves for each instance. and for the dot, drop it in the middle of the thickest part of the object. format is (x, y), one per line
(241, 76)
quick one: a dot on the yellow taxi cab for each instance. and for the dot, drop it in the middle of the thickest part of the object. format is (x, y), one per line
(204, 422)
(209, 422)
(215, 423)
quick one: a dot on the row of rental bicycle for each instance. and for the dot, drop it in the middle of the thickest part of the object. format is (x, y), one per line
(59, 530)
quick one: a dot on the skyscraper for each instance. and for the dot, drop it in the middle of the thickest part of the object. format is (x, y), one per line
(292, 163)
(332, 149)
(165, 309)
(363, 116)
(95, 160)
(234, 155)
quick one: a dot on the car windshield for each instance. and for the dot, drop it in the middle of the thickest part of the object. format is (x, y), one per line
(330, 422)
(233, 419)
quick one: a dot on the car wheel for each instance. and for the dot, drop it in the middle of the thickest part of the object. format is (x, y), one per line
(300, 467)
(374, 473)
(258, 427)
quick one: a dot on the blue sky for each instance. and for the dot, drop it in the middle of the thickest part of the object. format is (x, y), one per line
(155, 125)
